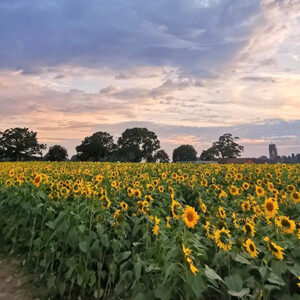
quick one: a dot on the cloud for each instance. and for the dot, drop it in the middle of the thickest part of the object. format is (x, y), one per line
(273, 23)
(260, 79)
(109, 90)
(187, 34)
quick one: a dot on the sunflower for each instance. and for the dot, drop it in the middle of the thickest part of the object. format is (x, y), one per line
(259, 191)
(298, 282)
(209, 230)
(99, 178)
(174, 175)
(137, 193)
(234, 190)
(113, 183)
(245, 185)
(11, 173)
(290, 188)
(168, 220)
(246, 205)
(187, 254)
(251, 248)
(286, 225)
(239, 176)
(174, 207)
(221, 239)
(150, 187)
(295, 196)
(222, 213)
(37, 180)
(124, 205)
(271, 207)
(161, 189)
(108, 203)
(190, 216)
(202, 206)
(130, 192)
(248, 228)
(193, 269)
(163, 176)
(274, 248)
(155, 229)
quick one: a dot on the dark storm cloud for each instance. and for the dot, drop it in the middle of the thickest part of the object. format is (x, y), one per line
(193, 35)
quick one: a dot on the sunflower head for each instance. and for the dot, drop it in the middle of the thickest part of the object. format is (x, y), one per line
(190, 217)
(270, 207)
(251, 248)
(222, 239)
(286, 225)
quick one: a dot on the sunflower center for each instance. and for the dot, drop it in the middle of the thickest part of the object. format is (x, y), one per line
(248, 228)
(224, 238)
(251, 247)
(190, 216)
(285, 223)
(270, 206)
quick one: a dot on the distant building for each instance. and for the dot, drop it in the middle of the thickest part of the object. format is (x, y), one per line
(244, 160)
(200, 162)
(273, 151)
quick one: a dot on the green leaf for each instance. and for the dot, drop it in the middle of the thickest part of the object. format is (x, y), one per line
(124, 255)
(234, 282)
(211, 274)
(242, 259)
(137, 269)
(295, 269)
(275, 279)
(239, 294)
(82, 228)
(152, 267)
(83, 246)
(196, 283)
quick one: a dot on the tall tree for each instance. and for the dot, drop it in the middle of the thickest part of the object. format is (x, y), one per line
(56, 153)
(97, 147)
(225, 147)
(210, 154)
(136, 144)
(19, 144)
(161, 156)
(184, 153)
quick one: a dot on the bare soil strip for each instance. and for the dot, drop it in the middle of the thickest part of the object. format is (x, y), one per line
(14, 284)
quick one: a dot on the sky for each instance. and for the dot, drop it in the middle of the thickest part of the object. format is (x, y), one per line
(189, 70)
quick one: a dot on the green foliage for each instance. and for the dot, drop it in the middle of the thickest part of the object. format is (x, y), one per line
(19, 144)
(225, 147)
(161, 157)
(136, 144)
(98, 147)
(184, 153)
(74, 246)
(56, 153)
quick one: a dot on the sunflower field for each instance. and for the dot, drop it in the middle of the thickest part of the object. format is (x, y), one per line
(154, 231)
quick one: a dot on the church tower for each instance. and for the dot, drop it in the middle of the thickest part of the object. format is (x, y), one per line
(273, 151)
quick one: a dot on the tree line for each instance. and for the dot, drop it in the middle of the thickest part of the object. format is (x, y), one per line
(134, 145)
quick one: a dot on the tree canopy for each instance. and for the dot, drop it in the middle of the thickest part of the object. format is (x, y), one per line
(184, 153)
(136, 144)
(19, 144)
(161, 156)
(225, 147)
(98, 147)
(56, 153)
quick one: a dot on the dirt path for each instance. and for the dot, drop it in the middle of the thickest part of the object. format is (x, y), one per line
(14, 285)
